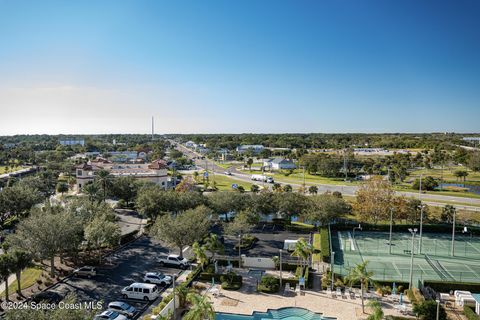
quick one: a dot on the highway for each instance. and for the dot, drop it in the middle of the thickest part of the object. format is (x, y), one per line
(348, 190)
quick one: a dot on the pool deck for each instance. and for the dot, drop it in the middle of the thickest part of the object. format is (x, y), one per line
(247, 300)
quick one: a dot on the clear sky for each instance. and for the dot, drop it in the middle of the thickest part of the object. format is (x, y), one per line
(239, 66)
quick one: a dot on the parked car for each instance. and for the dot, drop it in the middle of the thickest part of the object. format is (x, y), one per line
(157, 278)
(85, 272)
(110, 315)
(47, 296)
(174, 260)
(141, 291)
(122, 308)
(228, 173)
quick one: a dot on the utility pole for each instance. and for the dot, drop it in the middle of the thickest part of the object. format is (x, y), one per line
(345, 163)
(331, 268)
(421, 228)
(280, 269)
(174, 299)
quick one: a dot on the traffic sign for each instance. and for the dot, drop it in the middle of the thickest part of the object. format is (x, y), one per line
(234, 186)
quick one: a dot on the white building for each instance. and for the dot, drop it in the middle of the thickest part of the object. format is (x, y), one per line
(279, 164)
(155, 172)
(72, 142)
(190, 144)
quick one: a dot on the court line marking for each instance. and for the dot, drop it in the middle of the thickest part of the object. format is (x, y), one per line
(473, 246)
(468, 267)
(396, 268)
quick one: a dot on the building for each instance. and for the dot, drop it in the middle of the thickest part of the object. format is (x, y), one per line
(279, 164)
(255, 148)
(190, 144)
(155, 172)
(72, 142)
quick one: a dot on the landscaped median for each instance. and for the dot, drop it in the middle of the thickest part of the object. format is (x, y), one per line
(29, 277)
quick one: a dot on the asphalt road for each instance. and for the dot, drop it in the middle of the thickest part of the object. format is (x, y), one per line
(349, 190)
(126, 266)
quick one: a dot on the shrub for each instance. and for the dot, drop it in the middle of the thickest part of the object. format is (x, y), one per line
(427, 310)
(231, 286)
(325, 244)
(269, 284)
(470, 314)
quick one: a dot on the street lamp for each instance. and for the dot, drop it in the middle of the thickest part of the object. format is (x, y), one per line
(391, 228)
(422, 207)
(174, 299)
(413, 232)
(331, 267)
(453, 231)
(280, 250)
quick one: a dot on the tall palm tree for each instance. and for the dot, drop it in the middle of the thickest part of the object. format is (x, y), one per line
(200, 254)
(214, 245)
(20, 261)
(6, 266)
(360, 274)
(201, 308)
(104, 179)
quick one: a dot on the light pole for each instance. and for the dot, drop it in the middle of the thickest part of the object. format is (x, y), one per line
(413, 232)
(280, 269)
(331, 267)
(240, 250)
(174, 299)
(390, 236)
(453, 231)
(421, 228)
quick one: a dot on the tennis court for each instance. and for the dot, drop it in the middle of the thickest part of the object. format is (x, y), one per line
(432, 258)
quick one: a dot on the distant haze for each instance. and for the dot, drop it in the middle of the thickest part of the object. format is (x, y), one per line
(80, 67)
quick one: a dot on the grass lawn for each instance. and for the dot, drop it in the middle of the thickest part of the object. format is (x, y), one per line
(473, 177)
(28, 278)
(224, 183)
(297, 178)
(3, 169)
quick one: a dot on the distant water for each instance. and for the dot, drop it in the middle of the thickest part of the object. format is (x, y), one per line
(471, 188)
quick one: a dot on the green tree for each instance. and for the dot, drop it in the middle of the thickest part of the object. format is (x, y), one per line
(428, 183)
(447, 213)
(374, 200)
(182, 292)
(92, 191)
(200, 307)
(325, 208)
(104, 180)
(184, 229)
(474, 161)
(254, 188)
(200, 254)
(427, 310)
(214, 245)
(124, 188)
(303, 250)
(360, 274)
(102, 232)
(249, 163)
(459, 174)
(287, 188)
(48, 232)
(20, 261)
(6, 269)
(62, 187)
(313, 189)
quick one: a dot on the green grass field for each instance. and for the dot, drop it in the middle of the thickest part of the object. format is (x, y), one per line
(3, 169)
(317, 257)
(224, 183)
(448, 176)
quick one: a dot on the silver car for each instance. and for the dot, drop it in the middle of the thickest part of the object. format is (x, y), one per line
(122, 308)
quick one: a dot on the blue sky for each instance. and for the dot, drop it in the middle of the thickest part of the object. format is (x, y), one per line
(239, 66)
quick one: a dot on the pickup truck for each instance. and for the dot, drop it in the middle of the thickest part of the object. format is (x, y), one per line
(174, 260)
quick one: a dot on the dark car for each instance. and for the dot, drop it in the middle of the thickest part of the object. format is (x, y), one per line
(47, 296)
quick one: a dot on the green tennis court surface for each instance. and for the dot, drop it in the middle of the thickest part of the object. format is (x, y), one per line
(432, 262)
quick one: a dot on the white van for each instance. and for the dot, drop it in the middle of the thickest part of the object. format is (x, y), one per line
(141, 291)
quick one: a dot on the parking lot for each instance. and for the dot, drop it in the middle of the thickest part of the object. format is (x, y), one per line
(269, 242)
(126, 266)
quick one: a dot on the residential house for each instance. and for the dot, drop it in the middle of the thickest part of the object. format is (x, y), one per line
(279, 164)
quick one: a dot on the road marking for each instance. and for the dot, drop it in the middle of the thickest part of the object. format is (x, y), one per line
(186, 248)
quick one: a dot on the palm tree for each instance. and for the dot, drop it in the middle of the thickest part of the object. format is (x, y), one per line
(91, 189)
(214, 245)
(303, 251)
(377, 312)
(360, 274)
(182, 293)
(201, 308)
(20, 261)
(104, 179)
(200, 254)
(6, 266)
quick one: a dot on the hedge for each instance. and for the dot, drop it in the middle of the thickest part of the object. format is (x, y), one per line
(445, 286)
(325, 244)
(470, 314)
